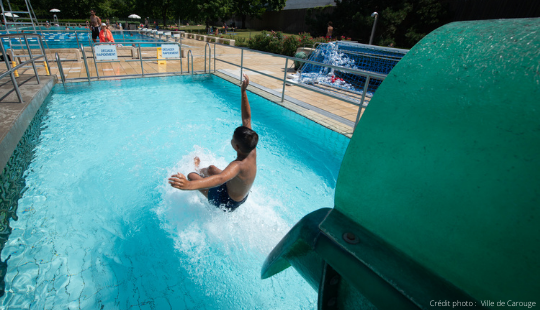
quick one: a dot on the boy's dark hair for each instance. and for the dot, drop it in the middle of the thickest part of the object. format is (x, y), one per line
(247, 139)
(329, 23)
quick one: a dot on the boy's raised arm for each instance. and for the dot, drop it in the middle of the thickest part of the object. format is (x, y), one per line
(246, 109)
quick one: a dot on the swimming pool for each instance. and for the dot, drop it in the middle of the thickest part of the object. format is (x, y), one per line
(64, 39)
(99, 227)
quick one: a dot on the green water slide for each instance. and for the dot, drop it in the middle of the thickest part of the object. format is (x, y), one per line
(437, 202)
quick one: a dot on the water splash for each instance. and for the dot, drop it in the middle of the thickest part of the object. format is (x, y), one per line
(214, 245)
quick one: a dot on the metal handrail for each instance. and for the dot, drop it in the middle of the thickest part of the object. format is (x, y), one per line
(17, 67)
(355, 102)
(85, 63)
(364, 73)
(76, 31)
(11, 70)
(60, 69)
(187, 56)
(360, 103)
(209, 59)
(140, 58)
(95, 62)
(32, 59)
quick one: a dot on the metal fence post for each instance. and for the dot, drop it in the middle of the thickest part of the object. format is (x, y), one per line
(85, 63)
(180, 49)
(77, 38)
(362, 102)
(95, 61)
(209, 59)
(140, 57)
(60, 69)
(284, 79)
(241, 65)
(188, 55)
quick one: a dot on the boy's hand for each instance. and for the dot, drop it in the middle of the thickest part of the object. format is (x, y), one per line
(179, 181)
(245, 83)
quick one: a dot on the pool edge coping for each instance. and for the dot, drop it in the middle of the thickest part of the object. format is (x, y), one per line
(324, 118)
(13, 136)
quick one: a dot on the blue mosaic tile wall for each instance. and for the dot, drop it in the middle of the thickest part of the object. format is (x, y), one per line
(12, 182)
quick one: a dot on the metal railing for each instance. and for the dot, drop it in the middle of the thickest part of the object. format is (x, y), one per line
(360, 103)
(139, 59)
(81, 35)
(209, 59)
(60, 69)
(188, 57)
(85, 63)
(12, 65)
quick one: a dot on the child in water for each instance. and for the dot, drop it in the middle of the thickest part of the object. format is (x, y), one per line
(230, 187)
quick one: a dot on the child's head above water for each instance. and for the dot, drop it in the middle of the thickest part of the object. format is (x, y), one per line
(245, 138)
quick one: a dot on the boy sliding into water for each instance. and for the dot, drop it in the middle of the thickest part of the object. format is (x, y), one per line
(229, 187)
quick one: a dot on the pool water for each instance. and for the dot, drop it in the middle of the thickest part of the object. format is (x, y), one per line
(100, 228)
(59, 39)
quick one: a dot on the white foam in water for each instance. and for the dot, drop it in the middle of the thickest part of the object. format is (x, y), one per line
(254, 226)
(214, 245)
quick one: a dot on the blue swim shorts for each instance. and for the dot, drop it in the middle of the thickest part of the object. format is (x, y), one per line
(219, 197)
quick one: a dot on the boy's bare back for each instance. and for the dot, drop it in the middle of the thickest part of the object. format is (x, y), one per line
(240, 185)
(229, 187)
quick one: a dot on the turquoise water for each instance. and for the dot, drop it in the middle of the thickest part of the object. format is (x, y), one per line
(100, 228)
(64, 39)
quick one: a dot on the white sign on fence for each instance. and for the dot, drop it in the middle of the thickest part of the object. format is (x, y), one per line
(170, 51)
(106, 52)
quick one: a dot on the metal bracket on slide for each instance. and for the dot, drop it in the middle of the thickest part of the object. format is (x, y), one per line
(328, 289)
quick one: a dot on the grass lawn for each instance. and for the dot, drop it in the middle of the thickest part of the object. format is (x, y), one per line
(237, 33)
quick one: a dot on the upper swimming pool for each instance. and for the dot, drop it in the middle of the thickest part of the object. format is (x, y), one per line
(99, 227)
(65, 39)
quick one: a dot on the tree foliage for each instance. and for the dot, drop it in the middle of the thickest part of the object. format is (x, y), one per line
(197, 10)
(400, 22)
(209, 10)
(255, 8)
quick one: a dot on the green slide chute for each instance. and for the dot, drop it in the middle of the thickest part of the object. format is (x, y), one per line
(438, 196)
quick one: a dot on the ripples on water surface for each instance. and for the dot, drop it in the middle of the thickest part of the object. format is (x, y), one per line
(100, 227)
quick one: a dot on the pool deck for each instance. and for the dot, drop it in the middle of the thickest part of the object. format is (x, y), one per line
(335, 114)
(15, 116)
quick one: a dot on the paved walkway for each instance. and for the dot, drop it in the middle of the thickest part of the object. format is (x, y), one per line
(330, 112)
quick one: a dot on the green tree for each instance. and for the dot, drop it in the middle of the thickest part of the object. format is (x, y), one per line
(401, 22)
(208, 10)
(255, 8)
(162, 9)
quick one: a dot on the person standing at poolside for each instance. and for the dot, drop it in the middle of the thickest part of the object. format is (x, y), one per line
(95, 21)
(146, 22)
(329, 30)
(228, 188)
(105, 34)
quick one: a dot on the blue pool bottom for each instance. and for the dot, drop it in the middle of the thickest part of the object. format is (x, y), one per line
(100, 227)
